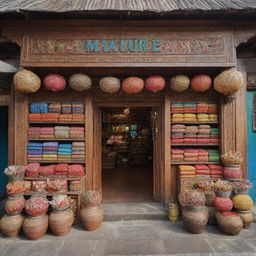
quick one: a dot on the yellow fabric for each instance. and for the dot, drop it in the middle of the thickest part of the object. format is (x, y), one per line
(187, 168)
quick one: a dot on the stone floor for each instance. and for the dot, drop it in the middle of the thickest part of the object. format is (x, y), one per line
(141, 237)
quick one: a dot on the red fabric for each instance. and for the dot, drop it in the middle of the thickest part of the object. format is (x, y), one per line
(47, 171)
(215, 166)
(202, 167)
(32, 169)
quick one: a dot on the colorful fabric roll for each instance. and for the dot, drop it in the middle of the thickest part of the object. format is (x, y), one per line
(55, 108)
(66, 108)
(38, 107)
(75, 186)
(77, 108)
(76, 170)
(34, 117)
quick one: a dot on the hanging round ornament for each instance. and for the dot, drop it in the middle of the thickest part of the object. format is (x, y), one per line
(109, 84)
(80, 82)
(26, 81)
(228, 82)
(201, 83)
(133, 85)
(155, 83)
(54, 82)
(179, 83)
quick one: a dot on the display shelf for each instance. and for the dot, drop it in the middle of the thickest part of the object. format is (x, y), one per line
(56, 139)
(57, 122)
(194, 122)
(32, 193)
(191, 163)
(82, 161)
(53, 178)
(195, 145)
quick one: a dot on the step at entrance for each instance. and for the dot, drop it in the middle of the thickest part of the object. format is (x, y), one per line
(134, 211)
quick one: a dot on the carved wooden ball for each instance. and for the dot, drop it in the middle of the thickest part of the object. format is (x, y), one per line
(80, 82)
(54, 82)
(228, 82)
(133, 85)
(109, 84)
(179, 83)
(26, 81)
(155, 83)
(201, 83)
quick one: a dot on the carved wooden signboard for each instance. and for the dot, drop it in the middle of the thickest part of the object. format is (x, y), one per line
(122, 46)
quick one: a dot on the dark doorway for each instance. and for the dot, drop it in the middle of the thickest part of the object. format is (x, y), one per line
(127, 155)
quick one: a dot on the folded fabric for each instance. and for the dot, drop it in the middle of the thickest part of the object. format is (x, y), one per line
(189, 141)
(38, 107)
(187, 176)
(174, 141)
(187, 168)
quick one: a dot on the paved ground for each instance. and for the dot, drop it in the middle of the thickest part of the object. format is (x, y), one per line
(142, 237)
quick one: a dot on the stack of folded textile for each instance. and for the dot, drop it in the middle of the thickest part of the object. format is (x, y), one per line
(75, 170)
(64, 151)
(203, 155)
(66, 108)
(212, 108)
(213, 118)
(190, 117)
(202, 108)
(75, 186)
(214, 135)
(190, 155)
(65, 117)
(50, 117)
(55, 108)
(177, 155)
(78, 117)
(61, 170)
(177, 108)
(177, 133)
(61, 131)
(38, 108)
(203, 135)
(177, 118)
(32, 169)
(78, 150)
(47, 133)
(216, 171)
(34, 132)
(35, 151)
(187, 171)
(201, 118)
(77, 108)
(34, 117)
(190, 134)
(189, 107)
(214, 155)
(202, 171)
(76, 132)
(46, 171)
(50, 150)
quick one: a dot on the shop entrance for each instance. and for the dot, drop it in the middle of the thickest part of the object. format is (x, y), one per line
(127, 154)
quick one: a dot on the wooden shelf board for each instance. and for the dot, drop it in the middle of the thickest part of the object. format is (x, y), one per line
(51, 194)
(58, 161)
(56, 139)
(58, 122)
(194, 122)
(194, 145)
(192, 163)
(52, 178)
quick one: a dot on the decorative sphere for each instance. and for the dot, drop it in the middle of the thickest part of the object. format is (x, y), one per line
(133, 85)
(155, 83)
(201, 83)
(109, 84)
(179, 83)
(54, 82)
(80, 82)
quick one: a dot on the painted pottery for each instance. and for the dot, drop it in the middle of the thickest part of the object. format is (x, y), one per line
(246, 217)
(210, 195)
(54, 82)
(179, 83)
(232, 172)
(10, 226)
(91, 217)
(80, 82)
(133, 85)
(109, 84)
(35, 227)
(155, 83)
(173, 212)
(201, 83)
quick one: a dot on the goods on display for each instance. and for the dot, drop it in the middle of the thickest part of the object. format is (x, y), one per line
(80, 82)
(54, 82)
(57, 185)
(109, 84)
(38, 186)
(92, 197)
(173, 212)
(223, 204)
(26, 81)
(36, 206)
(179, 83)
(247, 218)
(14, 205)
(133, 85)
(59, 202)
(17, 187)
(15, 172)
(201, 83)
(155, 83)
(242, 202)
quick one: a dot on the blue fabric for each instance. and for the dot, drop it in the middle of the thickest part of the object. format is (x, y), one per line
(39, 107)
(65, 146)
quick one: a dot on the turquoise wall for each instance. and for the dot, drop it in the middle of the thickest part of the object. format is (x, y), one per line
(3, 145)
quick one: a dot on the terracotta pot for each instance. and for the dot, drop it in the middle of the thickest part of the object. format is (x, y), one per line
(223, 204)
(232, 172)
(201, 83)
(35, 227)
(209, 195)
(109, 84)
(212, 218)
(179, 83)
(195, 219)
(133, 85)
(80, 82)
(242, 202)
(60, 222)
(229, 222)
(246, 217)
(155, 83)
(54, 82)
(10, 226)
(91, 217)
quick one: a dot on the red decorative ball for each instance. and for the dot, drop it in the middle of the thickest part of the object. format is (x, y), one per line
(223, 204)
(155, 83)
(133, 85)
(54, 82)
(201, 83)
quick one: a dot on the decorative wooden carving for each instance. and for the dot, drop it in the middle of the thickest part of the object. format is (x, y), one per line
(243, 34)
(14, 34)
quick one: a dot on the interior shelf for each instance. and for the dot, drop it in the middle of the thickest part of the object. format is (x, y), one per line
(56, 139)
(194, 122)
(82, 161)
(53, 178)
(58, 122)
(195, 145)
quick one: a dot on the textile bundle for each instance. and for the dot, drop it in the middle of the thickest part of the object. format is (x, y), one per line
(77, 108)
(35, 151)
(55, 108)
(78, 150)
(75, 185)
(202, 171)
(177, 155)
(189, 107)
(216, 171)
(76, 132)
(38, 108)
(194, 108)
(61, 170)
(61, 131)
(75, 170)
(187, 171)
(64, 151)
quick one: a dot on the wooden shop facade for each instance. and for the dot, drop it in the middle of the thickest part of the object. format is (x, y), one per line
(128, 144)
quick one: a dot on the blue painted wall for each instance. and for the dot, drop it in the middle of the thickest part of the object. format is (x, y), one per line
(3, 145)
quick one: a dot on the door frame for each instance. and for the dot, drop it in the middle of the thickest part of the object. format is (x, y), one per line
(161, 184)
